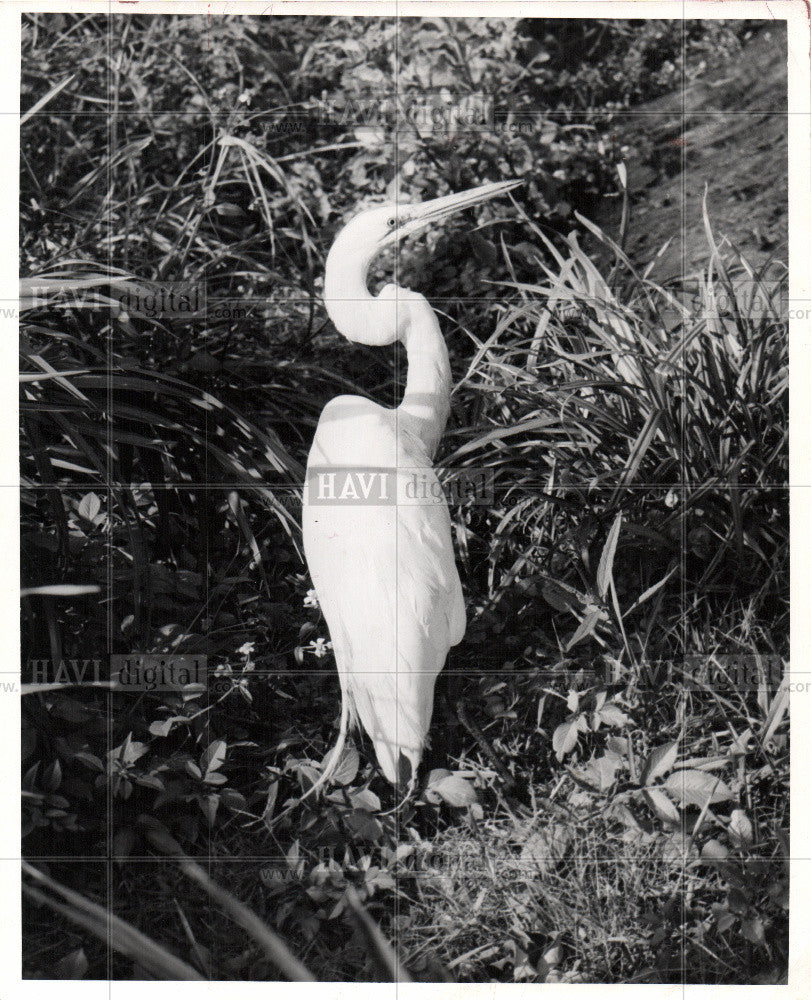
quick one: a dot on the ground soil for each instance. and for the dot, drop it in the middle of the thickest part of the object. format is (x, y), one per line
(726, 134)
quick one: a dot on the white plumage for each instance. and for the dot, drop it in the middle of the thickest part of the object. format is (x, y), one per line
(384, 571)
(386, 580)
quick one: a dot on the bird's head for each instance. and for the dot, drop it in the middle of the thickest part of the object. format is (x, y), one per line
(374, 230)
(386, 225)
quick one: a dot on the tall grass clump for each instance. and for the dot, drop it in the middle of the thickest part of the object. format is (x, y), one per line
(598, 394)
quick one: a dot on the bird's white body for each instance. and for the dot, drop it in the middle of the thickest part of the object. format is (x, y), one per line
(379, 550)
(384, 574)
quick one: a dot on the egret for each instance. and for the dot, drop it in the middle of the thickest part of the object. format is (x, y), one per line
(380, 555)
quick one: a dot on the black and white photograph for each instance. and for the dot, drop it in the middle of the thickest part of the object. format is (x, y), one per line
(404, 493)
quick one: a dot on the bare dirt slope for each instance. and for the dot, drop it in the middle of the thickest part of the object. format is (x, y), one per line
(726, 132)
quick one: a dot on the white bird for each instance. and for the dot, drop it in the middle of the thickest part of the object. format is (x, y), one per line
(380, 555)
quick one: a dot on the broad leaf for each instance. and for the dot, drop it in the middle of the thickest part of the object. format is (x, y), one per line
(661, 805)
(455, 791)
(697, 788)
(564, 739)
(347, 767)
(89, 507)
(660, 761)
(740, 829)
(714, 850)
(613, 715)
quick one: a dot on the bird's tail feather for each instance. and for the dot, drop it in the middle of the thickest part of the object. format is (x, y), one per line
(395, 713)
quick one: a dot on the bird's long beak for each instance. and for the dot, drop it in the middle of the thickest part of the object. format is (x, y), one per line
(418, 217)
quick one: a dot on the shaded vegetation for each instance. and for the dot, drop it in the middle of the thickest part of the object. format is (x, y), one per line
(612, 814)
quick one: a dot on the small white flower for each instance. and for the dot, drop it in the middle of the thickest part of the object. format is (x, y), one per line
(245, 97)
(320, 648)
(246, 649)
(311, 599)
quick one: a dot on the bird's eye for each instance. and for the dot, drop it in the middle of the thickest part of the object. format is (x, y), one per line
(391, 223)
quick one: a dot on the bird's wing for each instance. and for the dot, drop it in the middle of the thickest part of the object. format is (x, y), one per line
(388, 586)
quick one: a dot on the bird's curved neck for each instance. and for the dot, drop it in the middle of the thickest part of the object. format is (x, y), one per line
(427, 400)
(380, 320)
(358, 315)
